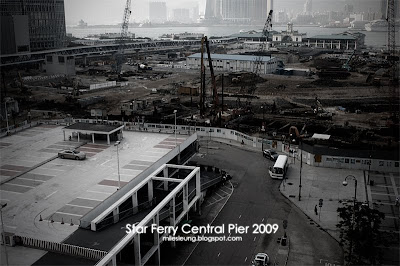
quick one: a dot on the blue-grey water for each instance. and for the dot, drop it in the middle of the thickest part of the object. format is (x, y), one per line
(374, 39)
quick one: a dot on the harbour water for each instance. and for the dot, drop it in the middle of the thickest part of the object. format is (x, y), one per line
(372, 39)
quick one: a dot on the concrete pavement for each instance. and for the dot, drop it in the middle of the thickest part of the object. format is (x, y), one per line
(322, 183)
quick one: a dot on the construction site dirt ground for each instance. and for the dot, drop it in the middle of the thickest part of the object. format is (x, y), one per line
(288, 92)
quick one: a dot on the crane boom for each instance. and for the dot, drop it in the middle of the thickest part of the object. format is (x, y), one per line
(257, 64)
(124, 33)
(125, 20)
(215, 94)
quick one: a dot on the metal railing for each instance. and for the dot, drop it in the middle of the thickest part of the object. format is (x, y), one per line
(89, 253)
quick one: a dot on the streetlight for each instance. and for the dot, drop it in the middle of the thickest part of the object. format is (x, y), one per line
(5, 109)
(301, 165)
(4, 235)
(354, 207)
(175, 125)
(119, 177)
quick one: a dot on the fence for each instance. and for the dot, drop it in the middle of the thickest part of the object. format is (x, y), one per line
(89, 253)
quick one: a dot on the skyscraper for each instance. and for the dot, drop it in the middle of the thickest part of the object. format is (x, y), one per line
(45, 20)
(238, 10)
(181, 15)
(308, 7)
(158, 12)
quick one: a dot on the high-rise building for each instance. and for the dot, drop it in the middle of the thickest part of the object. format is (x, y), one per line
(237, 10)
(181, 15)
(158, 12)
(43, 20)
(213, 9)
(195, 13)
(308, 7)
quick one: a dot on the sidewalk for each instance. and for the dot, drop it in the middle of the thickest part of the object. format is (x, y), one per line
(322, 183)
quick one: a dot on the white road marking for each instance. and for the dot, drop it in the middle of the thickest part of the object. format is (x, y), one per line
(79, 206)
(240, 216)
(10, 226)
(245, 259)
(89, 199)
(69, 214)
(100, 192)
(262, 220)
(105, 162)
(51, 194)
(254, 238)
(219, 254)
(18, 185)
(35, 180)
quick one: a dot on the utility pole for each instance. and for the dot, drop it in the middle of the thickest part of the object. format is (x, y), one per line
(301, 165)
(4, 235)
(119, 177)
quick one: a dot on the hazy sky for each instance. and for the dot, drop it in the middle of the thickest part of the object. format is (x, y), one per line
(111, 11)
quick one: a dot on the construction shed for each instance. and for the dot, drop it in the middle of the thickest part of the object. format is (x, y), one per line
(99, 130)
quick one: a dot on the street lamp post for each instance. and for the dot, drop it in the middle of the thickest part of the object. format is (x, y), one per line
(354, 208)
(4, 235)
(5, 109)
(175, 126)
(119, 177)
(301, 165)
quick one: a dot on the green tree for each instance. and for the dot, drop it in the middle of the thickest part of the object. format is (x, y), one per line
(359, 233)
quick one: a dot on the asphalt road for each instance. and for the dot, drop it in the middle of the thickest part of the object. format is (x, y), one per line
(256, 200)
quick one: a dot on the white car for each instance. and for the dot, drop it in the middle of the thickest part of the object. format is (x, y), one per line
(261, 259)
(72, 154)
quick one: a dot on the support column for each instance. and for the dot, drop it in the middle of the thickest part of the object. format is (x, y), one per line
(172, 221)
(165, 173)
(64, 134)
(156, 237)
(323, 44)
(108, 139)
(134, 202)
(185, 197)
(92, 137)
(198, 184)
(136, 250)
(78, 136)
(347, 45)
(114, 261)
(150, 189)
(115, 215)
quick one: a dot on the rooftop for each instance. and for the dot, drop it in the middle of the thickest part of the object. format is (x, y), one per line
(38, 187)
(232, 57)
(93, 127)
(334, 37)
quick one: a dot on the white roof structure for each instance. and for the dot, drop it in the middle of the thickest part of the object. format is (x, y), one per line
(320, 136)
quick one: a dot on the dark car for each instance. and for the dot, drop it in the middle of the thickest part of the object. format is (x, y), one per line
(72, 154)
(270, 154)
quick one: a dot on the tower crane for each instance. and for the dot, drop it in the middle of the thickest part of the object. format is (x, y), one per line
(122, 38)
(393, 59)
(258, 62)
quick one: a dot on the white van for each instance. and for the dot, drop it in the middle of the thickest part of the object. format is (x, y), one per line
(278, 171)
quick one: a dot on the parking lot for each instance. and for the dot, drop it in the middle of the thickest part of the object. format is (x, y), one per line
(46, 195)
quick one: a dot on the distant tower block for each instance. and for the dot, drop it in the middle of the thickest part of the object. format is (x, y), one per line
(289, 27)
